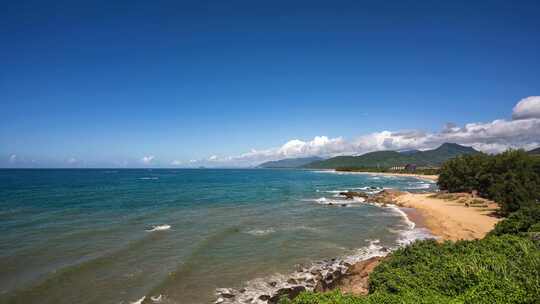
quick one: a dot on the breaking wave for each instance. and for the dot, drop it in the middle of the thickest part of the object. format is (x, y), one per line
(159, 228)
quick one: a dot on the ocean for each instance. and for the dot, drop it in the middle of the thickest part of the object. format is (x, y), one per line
(175, 236)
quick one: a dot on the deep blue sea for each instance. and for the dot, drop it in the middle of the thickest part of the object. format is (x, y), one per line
(174, 236)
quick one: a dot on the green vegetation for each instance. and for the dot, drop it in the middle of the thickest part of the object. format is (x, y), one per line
(504, 267)
(497, 269)
(525, 220)
(387, 159)
(512, 178)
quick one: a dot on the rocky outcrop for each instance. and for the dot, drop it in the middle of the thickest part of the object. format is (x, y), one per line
(387, 196)
(270, 291)
(353, 194)
(356, 280)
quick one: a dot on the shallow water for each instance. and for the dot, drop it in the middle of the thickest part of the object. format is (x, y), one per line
(114, 236)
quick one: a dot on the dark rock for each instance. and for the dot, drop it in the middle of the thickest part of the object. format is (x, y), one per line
(242, 290)
(290, 292)
(273, 284)
(264, 297)
(226, 293)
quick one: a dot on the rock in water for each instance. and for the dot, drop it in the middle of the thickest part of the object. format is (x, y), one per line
(386, 196)
(353, 194)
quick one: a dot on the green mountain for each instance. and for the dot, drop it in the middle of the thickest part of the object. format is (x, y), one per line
(290, 162)
(534, 151)
(386, 159)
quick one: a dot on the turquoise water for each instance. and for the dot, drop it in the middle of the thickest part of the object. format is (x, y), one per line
(114, 236)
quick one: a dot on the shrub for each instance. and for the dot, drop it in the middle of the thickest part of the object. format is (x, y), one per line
(524, 220)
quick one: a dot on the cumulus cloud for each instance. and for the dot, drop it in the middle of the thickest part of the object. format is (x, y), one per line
(522, 131)
(527, 108)
(147, 159)
(13, 158)
(176, 163)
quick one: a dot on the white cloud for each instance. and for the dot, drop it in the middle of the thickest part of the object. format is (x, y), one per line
(147, 159)
(13, 158)
(72, 160)
(523, 131)
(176, 163)
(527, 108)
(213, 158)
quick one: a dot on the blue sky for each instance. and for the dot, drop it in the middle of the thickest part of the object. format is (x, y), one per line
(177, 83)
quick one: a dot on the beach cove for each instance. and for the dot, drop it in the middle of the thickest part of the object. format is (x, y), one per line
(439, 216)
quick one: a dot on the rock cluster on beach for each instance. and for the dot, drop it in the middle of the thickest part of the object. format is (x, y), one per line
(318, 276)
(321, 276)
(387, 196)
(310, 278)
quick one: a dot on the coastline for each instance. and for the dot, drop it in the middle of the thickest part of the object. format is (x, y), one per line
(433, 217)
(447, 220)
(431, 178)
(419, 176)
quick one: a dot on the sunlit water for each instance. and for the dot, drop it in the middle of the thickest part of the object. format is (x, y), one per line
(114, 236)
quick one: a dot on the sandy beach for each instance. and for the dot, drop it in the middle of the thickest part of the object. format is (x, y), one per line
(451, 219)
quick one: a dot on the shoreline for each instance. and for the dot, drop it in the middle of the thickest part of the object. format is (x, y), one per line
(440, 218)
(350, 273)
(419, 176)
(451, 219)
(446, 220)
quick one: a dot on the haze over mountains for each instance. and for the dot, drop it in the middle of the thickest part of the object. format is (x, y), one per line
(383, 159)
(535, 151)
(290, 162)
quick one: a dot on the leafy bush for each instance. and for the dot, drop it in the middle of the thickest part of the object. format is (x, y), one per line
(497, 269)
(524, 220)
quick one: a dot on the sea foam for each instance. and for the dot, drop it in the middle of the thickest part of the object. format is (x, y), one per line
(159, 228)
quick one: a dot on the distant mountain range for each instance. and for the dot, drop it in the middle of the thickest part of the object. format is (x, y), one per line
(534, 151)
(386, 159)
(290, 162)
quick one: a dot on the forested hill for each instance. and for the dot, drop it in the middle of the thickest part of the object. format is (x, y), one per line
(385, 159)
(289, 162)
